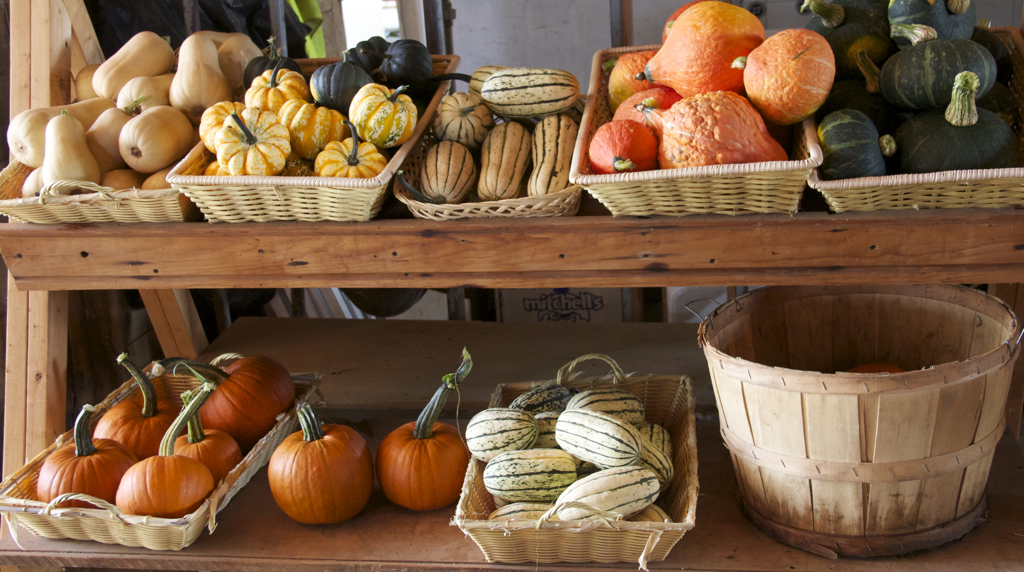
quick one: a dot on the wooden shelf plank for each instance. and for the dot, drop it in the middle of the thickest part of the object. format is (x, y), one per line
(969, 246)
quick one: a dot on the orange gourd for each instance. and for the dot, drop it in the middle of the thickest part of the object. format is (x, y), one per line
(213, 119)
(311, 127)
(138, 423)
(623, 146)
(789, 76)
(660, 97)
(270, 90)
(350, 158)
(322, 474)
(876, 368)
(421, 465)
(706, 40)
(627, 76)
(675, 15)
(215, 449)
(714, 129)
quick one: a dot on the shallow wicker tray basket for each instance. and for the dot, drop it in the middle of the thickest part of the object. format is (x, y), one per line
(108, 525)
(668, 400)
(765, 187)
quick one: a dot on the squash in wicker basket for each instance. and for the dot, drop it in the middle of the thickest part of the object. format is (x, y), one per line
(311, 127)
(145, 54)
(213, 119)
(350, 158)
(621, 146)
(382, 116)
(67, 154)
(156, 139)
(273, 88)
(253, 143)
(216, 449)
(198, 82)
(463, 117)
(553, 141)
(102, 137)
(504, 159)
(448, 172)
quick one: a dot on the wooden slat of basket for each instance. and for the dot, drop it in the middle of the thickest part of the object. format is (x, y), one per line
(976, 188)
(764, 187)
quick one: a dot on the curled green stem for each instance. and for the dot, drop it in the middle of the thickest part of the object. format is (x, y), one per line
(424, 427)
(832, 15)
(916, 33)
(145, 385)
(962, 110)
(312, 427)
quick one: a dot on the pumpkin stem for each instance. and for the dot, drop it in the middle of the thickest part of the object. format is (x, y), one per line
(133, 107)
(652, 115)
(887, 145)
(464, 111)
(312, 427)
(212, 371)
(250, 139)
(424, 427)
(609, 65)
(187, 412)
(623, 164)
(83, 436)
(398, 91)
(277, 70)
(962, 110)
(832, 15)
(916, 33)
(272, 54)
(958, 6)
(145, 385)
(195, 425)
(739, 63)
(869, 70)
(984, 23)
(448, 76)
(400, 176)
(353, 158)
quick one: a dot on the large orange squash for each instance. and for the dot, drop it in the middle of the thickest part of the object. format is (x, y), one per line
(789, 76)
(706, 40)
(660, 97)
(627, 76)
(675, 15)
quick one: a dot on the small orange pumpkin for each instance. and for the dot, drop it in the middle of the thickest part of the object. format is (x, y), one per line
(660, 97)
(215, 449)
(350, 158)
(137, 423)
(675, 15)
(273, 87)
(627, 76)
(213, 119)
(623, 146)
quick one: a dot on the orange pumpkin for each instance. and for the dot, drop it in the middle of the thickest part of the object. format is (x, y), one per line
(421, 465)
(271, 89)
(675, 15)
(213, 119)
(322, 474)
(876, 368)
(706, 40)
(623, 146)
(789, 76)
(715, 129)
(140, 422)
(215, 449)
(247, 402)
(660, 97)
(627, 76)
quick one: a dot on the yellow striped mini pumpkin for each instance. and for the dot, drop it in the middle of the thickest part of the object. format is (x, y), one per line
(311, 127)
(270, 90)
(382, 116)
(252, 143)
(213, 170)
(350, 158)
(213, 119)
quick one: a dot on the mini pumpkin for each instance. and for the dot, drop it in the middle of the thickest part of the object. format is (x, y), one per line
(311, 127)
(382, 116)
(623, 146)
(350, 158)
(216, 449)
(270, 90)
(213, 119)
(252, 143)
(137, 423)
(627, 76)
(296, 167)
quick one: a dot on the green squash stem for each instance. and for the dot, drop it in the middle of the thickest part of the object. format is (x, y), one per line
(195, 425)
(250, 139)
(353, 158)
(425, 422)
(188, 412)
(887, 145)
(464, 111)
(832, 15)
(453, 76)
(620, 164)
(312, 427)
(398, 91)
(739, 63)
(985, 23)
(916, 33)
(210, 371)
(133, 107)
(962, 110)
(642, 76)
(609, 65)
(145, 385)
(869, 70)
(277, 70)
(400, 176)
(957, 6)
(272, 55)
(83, 436)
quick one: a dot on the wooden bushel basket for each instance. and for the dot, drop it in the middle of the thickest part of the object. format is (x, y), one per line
(858, 464)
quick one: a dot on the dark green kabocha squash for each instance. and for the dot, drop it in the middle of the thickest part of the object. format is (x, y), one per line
(865, 96)
(922, 76)
(260, 64)
(851, 146)
(999, 51)
(334, 85)
(368, 54)
(951, 19)
(407, 62)
(1000, 100)
(850, 26)
(960, 137)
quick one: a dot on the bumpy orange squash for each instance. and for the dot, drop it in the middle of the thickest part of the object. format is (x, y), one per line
(623, 146)
(789, 76)
(660, 97)
(626, 77)
(675, 15)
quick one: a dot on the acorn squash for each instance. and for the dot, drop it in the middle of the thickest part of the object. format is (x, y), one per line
(368, 54)
(850, 145)
(922, 76)
(951, 19)
(407, 62)
(850, 26)
(260, 64)
(333, 86)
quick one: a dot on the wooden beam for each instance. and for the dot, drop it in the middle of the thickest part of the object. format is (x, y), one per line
(175, 321)
(622, 22)
(277, 25)
(83, 31)
(333, 27)
(1013, 295)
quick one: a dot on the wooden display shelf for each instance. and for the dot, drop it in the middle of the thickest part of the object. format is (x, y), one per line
(886, 247)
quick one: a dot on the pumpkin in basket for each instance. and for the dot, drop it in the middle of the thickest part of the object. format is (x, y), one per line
(311, 127)
(296, 167)
(270, 90)
(382, 116)
(334, 85)
(213, 119)
(463, 118)
(623, 146)
(215, 449)
(421, 465)
(675, 15)
(447, 173)
(350, 158)
(87, 466)
(322, 474)
(252, 143)
(660, 97)
(140, 422)
(627, 76)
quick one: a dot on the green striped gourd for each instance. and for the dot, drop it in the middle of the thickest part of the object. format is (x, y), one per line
(598, 438)
(520, 511)
(624, 490)
(463, 117)
(494, 431)
(530, 92)
(531, 475)
(546, 430)
(553, 142)
(448, 172)
(655, 459)
(615, 402)
(551, 397)
(652, 513)
(657, 435)
(504, 159)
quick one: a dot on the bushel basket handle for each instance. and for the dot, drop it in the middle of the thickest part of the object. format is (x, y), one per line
(566, 370)
(115, 512)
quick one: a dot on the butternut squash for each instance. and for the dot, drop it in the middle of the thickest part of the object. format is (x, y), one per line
(67, 155)
(198, 83)
(122, 179)
(83, 83)
(233, 55)
(103, 135)
(157, 180)
(33, 184)
(146, 54)
(155, 139)
(156, 90)
(218, 38)
(26, 134)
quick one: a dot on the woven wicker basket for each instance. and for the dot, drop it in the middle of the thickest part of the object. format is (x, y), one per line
(766, 187)
(261, 199)
(563, 203)
(101, 204)
(978, 188)
(108, 525)
(668, 400)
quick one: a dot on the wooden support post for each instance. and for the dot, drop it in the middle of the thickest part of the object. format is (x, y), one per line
(1013, 295)
(333, 27)
(277, 25)
(176, 322)
(622, 22)
(83, 31)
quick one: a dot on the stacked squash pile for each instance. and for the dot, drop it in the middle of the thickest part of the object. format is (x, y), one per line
(921, 89)
(549, 448)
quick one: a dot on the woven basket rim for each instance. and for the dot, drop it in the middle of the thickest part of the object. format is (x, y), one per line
(463, 209)
(98, 197)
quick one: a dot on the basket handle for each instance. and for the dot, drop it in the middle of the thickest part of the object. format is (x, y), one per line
(115, 512)
(566, 370)
(603, 515)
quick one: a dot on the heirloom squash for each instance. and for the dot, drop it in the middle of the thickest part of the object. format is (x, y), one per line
(922, 76)
(598, 437)
(310, 127)
(658, 98)
(448, 172)
(496, 430)
(407, 62)
(145, 54)
(198, 83)
(252, 143)
(850, 26)
(529, 92)
(334, 85)
(675, 15)
(152, 91)
(122, 179)
(138, 423)
(26, 134)
(789, 76)
(269, 91)
(213, 119)
(618, 403)
(260, 64)
(627, 76)
(504, 158)
(215, 449)
(958, 138)
(421, 465)
(553, 141)
(623, 146)
(102, 137)
(83, 83)
(67, 153)
(850, 145)
(233, 56)
(951, 19)
(623, 490)
(382, 116)
(530, 475)
(699, 58)
(999, 51)
(463, 118)
(155, 139)
(87, 466)
(476, 81)
(368, 54)
(653, 513)
(350, 158)
(865, 96)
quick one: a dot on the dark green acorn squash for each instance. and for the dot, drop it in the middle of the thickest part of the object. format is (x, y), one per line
(850, 145)
(948, 24)
(850, 26)
(999, 51)
(922, 76)
(368, 54)
(863, 95)
(334, 85)
(407, 62)
(260, 64)
(961, 137)
(1000, 100)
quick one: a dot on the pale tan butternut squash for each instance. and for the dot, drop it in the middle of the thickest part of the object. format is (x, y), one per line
(123, 179)
(155, 90)
(102, 137)
(157, 180)
(155, 139)
(198, 83)
(26, 134)
(83, 83)
(67, 155)
(33, 184)
(145, 54)
(232, 56)
(218, 38)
